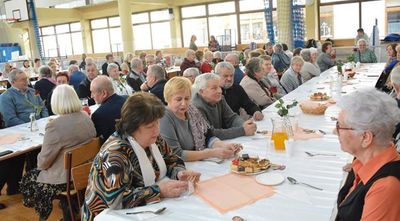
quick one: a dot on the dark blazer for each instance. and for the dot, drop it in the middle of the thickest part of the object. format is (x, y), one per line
(104, 117)
(133, 80)
(84, 91)
(104, 68)
(44, 87)
(158, 89)
(237, 98)
(187, 64)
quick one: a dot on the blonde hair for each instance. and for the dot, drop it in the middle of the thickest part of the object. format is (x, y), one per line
(297, 60)
(176, 84)
(65, 100)
(208, 53)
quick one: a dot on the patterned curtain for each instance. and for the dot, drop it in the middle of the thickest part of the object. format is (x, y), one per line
(298, 24)
(268, 20)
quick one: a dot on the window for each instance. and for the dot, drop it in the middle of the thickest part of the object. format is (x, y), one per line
(251, 5)
(339, 21)
(221, 8)
(61, 40)
(221, 25)
(370, 12)
(198, 27)
(253, 27)
(193, 11)
(101, 41)
(106, 35)
(152, 30)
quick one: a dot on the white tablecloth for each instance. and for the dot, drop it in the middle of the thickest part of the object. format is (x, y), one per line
(291, 202)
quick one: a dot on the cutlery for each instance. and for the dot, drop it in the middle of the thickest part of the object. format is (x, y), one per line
(318, 154)
(217, 161)
(322, 132)
(294, 181)
(157, 212)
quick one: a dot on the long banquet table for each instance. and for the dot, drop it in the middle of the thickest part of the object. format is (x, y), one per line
(290, 202)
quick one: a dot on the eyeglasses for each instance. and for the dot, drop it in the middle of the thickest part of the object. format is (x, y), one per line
(341, 128)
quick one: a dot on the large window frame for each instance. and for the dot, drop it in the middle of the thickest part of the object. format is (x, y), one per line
(56, 36)
(109, 26)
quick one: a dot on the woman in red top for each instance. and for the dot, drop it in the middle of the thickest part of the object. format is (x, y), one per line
(207, 66)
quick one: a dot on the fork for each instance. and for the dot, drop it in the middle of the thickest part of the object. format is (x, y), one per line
(214, 161)
(319, 154)
(157, 212)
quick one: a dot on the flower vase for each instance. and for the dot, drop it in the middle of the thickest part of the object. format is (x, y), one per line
(33, 125)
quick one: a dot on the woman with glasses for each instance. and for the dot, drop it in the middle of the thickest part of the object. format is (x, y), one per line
(365, 127)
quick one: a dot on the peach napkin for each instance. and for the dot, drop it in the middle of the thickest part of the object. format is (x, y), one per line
(232, 191)
(299, 134)
(9, 139)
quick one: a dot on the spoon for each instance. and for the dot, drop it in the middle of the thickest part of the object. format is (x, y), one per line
(319, 154)
(294, 181)
(157, 212)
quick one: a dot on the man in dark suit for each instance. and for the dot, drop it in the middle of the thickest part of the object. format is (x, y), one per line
(110, 106)
(84, 86)
(109, 60)
(137, 76)
(155, 81)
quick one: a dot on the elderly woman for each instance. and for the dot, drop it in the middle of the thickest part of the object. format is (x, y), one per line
(217, 57)
(192, 44)
(271, 79)
(184, 128)
(280, 60)
(392, 50)
(131, 165)
(40, 186)
(213, 44)
(325, 60)
(269, 48)
(207, 97)
(364, 54)
(207, 66)
(254, 86)
(119, 82)
(309, 70)
(189, 61)
(191, 74)
(292, 78)
(126, 65)
(46, 83)
(372, 188)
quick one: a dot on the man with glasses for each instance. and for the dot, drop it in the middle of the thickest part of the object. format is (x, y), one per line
(365, 127)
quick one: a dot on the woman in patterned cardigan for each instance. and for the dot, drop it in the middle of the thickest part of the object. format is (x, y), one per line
(128, 170)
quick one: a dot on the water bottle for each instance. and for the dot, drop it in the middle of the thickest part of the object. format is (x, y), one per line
(34, 126)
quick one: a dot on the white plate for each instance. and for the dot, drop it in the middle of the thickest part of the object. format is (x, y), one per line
(270, 179)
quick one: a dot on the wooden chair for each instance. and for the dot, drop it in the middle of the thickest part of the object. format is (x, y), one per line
(77, 162)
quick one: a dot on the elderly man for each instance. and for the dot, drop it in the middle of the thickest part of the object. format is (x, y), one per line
(207, 97)
(191, 74)
(110, 106)
(150, 59)
(292, 78)
(46, 83)
(233, 58)
(19, 101)
(109, 60)
(189, 61)
(365, 126)
(155, 81)
(84, 86)
(137, 76)
(234, 94)
(76, 77)
(280, 60)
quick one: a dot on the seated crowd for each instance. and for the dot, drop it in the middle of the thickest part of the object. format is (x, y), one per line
(149, 125)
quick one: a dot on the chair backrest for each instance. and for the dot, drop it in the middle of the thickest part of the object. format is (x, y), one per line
(79, 175)
(81, 154)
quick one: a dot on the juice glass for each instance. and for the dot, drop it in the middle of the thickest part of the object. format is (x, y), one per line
(279, 134)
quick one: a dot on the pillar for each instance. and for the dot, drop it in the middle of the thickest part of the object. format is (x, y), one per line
(32, 41)
(86, 36)
(311, 21)
(176, 28)
(284, 22)
(124, 9)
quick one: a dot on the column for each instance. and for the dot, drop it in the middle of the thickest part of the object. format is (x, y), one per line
(284, 22)
(124, 9)
(86, 36)
(176, 28)
(311, 21)
(32, 41)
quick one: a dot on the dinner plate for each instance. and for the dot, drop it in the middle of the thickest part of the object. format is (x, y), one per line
(270, 179)
(249, 174)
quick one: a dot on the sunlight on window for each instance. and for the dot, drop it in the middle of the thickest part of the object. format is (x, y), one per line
(142, 36)
(198, 27)
(193, 11)
(161, 34)
(101, 41)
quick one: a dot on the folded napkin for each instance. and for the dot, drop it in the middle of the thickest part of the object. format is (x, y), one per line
(9, 138)
(232, 191)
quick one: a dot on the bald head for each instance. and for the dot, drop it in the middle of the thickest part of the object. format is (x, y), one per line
(101, 88)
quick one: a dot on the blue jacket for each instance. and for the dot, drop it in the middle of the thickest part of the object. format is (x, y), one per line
(16, 109)
(76, 78)
(238, 75)
(104, 117)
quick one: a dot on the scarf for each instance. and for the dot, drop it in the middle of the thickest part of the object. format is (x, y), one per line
(198, 126)
(146, 167)
(390, 66)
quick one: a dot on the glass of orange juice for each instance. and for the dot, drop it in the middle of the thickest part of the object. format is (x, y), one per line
(279, 134)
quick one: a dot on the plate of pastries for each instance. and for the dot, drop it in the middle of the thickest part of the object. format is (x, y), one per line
(246, 165)
(319, 96)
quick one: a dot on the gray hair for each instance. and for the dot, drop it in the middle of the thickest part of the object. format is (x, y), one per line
(191, 72)
(395, 75)
(189, 52)
(297, 60)
(372, 110)
(103, 83)
(362, 40)
(278, 48)
(306, 54)
(201, 82)
(45, 71)
(157, 71)
(217, 54)
(135, 63)
(224, 65)
(234, 57)
(12, 76)
(72, 68)
(313, 51)
(111, 66)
